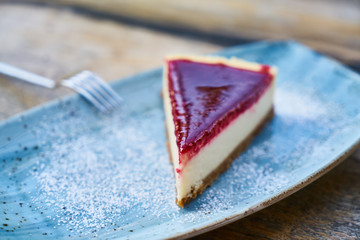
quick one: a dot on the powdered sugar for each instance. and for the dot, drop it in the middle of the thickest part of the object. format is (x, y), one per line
(105, 173)
(298, 106)
(113, 171)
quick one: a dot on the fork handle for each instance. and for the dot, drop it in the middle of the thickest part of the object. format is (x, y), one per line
(21, 74)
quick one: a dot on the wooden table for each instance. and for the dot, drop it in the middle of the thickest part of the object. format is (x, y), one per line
(56, 42)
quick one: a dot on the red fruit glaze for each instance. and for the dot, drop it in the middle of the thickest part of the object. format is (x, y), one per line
(205, 98)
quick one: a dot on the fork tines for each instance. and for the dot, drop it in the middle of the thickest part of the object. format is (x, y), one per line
(94, 89)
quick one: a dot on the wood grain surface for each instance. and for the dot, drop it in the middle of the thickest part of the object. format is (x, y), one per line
(58, 41)
(320, 24)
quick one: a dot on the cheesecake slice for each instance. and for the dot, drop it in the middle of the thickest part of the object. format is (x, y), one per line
(214, 106)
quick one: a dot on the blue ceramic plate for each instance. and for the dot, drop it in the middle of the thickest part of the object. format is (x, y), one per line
(68, 171)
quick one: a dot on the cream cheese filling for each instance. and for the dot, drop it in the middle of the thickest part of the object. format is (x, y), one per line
(214, 153)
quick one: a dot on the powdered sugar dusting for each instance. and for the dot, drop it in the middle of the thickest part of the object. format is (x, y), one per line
(298, 106)
(93, 178)
(113, 171)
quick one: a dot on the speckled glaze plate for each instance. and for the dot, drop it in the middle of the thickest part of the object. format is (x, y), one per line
(67, 171)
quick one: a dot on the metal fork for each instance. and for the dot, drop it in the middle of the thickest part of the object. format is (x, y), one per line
(15, 72)
(94, 89)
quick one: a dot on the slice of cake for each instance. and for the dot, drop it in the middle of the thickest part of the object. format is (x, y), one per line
(214, 106)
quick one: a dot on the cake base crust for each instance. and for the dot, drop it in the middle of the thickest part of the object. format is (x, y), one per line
(207, 181)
